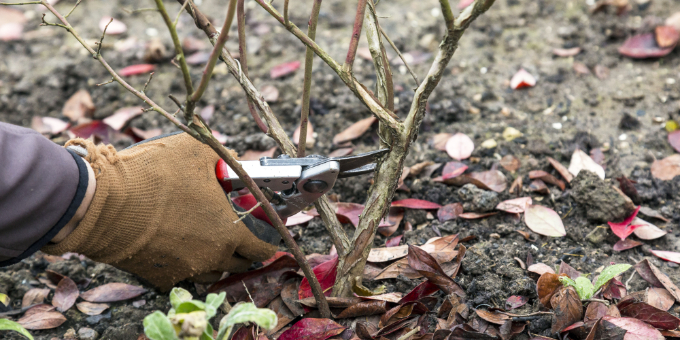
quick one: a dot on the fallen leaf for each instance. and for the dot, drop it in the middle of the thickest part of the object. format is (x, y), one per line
(526, 235)
(667, 255)
(653, 213)
(635, 329)
(363, 308)
(516, 186)
(140, 135)
(310, 135)
(546, 287)
(544, 221)
(581, 161)
(198, 58)
(270, 93)
(289, 295)
(90, 308)
(41, 308)
(643, 46)
(459, 146)
(667, 168)
(510, 163)
(515, 301)
(34, 296)
(340, 152)
(426, 288)
(65, 295)
(621, 230)
(79, 107)
(628, 189)
(49, 125)
(492, 317)
(312, 329)
(464, 3)
(515, 206)
(561, 169)
(601, 72)
(413, 203)
(567, 307)
(394, 241)
(566, 52)
(284, 69)
(45, 320)
(401, 313)
(546, 177)
(649, 314)
(114, 27)
(474, 215)
(283, 315)
(299, 218)
(394, 297)
(626, 244)
(255, 155)
(540, 268)
(417, 169)
(570, 271)
(325, 273)
(595, 311)
(522, 79)
(657, 278)
(355, 130)
(427, 266)
(134, 70)
(666, 36)
(646, 230)
(659, 298)
(112, 292)
(449, 212)
(580, 68)
(453, 169)
(333, 302)
(439, 140)
(119, 118)
(95, 128)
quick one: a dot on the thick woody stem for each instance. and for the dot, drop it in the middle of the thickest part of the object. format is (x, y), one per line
(356, 34)
(307, 85)
(243, 56)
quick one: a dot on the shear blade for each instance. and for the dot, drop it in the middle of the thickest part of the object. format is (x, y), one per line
(349, 163)
(366, 169)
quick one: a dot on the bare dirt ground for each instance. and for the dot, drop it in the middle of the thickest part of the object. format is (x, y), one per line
(564, 111)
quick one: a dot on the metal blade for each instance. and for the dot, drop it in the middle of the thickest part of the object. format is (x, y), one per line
(366, 169)
(358, 161)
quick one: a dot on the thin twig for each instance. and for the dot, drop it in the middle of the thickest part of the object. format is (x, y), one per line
(286, 22)
(73, 9)
(307, 84)
(244, 286)
(597, 300)
(108, 82)
(629, 279)
(356, 34)
(148, 81)
(101, 40)
(181, 9)
(394, 47)
(177, 102)
(246, 213)
(139, 10)
(409, 334)
(21, 3)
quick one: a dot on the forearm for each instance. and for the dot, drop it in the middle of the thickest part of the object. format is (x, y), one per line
(42, 190)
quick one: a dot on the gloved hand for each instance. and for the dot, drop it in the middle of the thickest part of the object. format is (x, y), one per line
(159, 212)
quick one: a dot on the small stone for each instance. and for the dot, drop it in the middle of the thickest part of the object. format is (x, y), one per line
(476, 199)
(494, 235)
(597, 235)
(87, 334)
(629, 122)
(511, 133)
(489, 144)
(70, 334)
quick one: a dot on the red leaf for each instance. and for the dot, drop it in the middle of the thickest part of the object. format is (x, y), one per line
(453, 169)
(354, 131)
(516, 301)
(284, 69)
(626, 244)
(276, 256)
(426, 288)
(460, 146)
(643, 46)
(667, 255)
(312, 329)
(666, 36)
(522, 79)
(112, 292)
(651, 315)
(624, 229)
(657, 278)
(674, 140)
(413, 203)
(133, 70)
(427, 266)
(325, 273)
(350, 211)
(97, 128)
(394, 241)
(635, 329)
(65, 295)
(233, 284)
(449, 212)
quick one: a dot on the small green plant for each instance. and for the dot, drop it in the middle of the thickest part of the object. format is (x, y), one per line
(188, 318)
(8, 325)
(586, 289)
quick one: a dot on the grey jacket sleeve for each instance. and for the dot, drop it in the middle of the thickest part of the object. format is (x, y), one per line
(41, 186)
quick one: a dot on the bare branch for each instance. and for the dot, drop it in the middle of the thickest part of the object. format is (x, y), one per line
(73, 9)
(394, 47)
(21, 3)
(101, 40)
(243, 56)
(285, 13)
(181, 9)
(307, 84)
(356, 34)
(108, 82)
(147, 82)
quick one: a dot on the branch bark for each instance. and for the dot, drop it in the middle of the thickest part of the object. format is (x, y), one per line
(307, 84)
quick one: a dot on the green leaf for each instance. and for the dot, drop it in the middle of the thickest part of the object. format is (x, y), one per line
(583, 286)
(157, 326)
(7, 325)
(212, 302)
(566, 281)
(207, 334)
(179, 295)
(610, 273)
(189, 306)
(248, 312)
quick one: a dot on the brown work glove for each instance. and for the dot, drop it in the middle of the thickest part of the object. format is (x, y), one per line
(159, 212)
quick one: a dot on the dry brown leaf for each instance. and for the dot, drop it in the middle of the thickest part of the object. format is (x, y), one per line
(493, 179)
(567, 307)
(667, 168)
(566, 52)
(45, 320)
(657, 278)
(510, 163)
(659, 298)
(65, 295)
(41, 308)
(546, 287)
(340, 152)
(492, 317)
(439, 140)
(539, 186)
(516, 187)
(34, 296)
(540, 268)
(355, 130)
(547, 178)
(474, 215)
(418, 168)
(79, 108)
(90, 308)
(112, 292)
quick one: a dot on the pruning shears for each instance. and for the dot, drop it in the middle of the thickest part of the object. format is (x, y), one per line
(292, 184)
